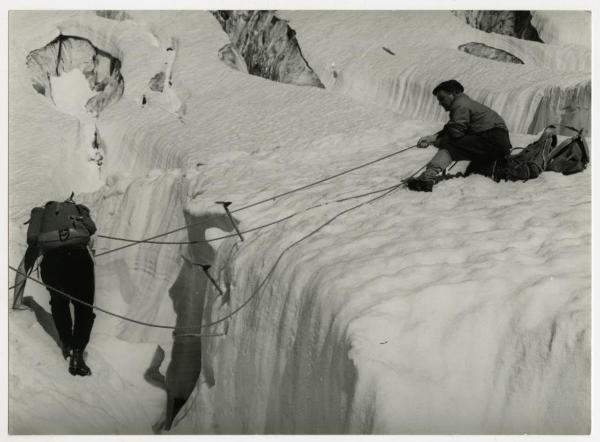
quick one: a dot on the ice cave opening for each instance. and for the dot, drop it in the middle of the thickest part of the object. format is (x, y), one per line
(80, 80)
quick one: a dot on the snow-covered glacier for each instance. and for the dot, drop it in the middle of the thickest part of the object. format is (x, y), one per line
(355, 310)
(424, 46)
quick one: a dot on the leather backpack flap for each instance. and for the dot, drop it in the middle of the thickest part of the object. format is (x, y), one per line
(63, 226)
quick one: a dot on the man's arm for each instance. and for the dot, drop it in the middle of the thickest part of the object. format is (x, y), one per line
(458, 124)
(431, 140)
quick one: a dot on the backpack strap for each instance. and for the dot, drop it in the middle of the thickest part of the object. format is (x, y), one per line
(577, 139)
(561, 147)
(579, 131)
(585, 148)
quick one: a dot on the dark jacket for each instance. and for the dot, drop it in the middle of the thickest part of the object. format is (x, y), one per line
(470, 117)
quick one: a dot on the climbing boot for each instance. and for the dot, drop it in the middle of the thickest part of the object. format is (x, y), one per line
(425, 181)
(77, 366)
(432, 173)
(66, 351)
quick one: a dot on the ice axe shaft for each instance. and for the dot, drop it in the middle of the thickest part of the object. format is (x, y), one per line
(226, 205)
(205, 268)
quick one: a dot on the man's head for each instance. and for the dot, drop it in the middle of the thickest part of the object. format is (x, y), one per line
(447, 91)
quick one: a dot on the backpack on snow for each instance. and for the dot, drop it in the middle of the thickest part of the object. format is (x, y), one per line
(59, 224)
(570, 156)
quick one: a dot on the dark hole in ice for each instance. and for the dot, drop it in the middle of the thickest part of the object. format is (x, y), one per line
(66, 53)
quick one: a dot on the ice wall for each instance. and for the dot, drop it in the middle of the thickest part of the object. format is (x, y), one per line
(405, 326)
(513, 23)
(571, 106)
(144, 274)
(268, 45)
(232, 58)
(114, 15)
(425, 45)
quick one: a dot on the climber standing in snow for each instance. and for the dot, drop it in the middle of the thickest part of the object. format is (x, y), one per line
(60, 232)
(474, 133)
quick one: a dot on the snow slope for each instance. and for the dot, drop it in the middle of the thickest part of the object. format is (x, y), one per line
(466, 310)
(425, 47)
(564, 28)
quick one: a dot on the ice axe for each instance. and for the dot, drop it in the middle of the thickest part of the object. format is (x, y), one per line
(226, 205)
(205, 268)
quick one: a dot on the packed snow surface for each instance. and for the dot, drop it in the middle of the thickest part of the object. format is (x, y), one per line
(564, 28)
(466, 310)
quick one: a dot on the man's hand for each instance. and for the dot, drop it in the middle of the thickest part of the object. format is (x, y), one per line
(426, 141)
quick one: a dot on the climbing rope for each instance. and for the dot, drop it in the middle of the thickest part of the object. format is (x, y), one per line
(273, 198)
(95, 307)
(237, 309)
(321, 227)
(272, 270)
(134, 242)
(386, 191)
(360, 166)
(254, 228)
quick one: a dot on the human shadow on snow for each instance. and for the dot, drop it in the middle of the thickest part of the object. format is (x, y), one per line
(44, 318)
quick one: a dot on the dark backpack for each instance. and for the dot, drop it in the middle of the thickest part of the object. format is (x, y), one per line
(60, 224)
(570, 156)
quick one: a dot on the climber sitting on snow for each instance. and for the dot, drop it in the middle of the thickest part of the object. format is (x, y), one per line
(475, 133)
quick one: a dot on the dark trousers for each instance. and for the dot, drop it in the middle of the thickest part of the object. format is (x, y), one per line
(71, 271)
(481, 149)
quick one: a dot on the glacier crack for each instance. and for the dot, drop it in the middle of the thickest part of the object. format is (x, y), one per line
(189, 294)
(267, 45)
